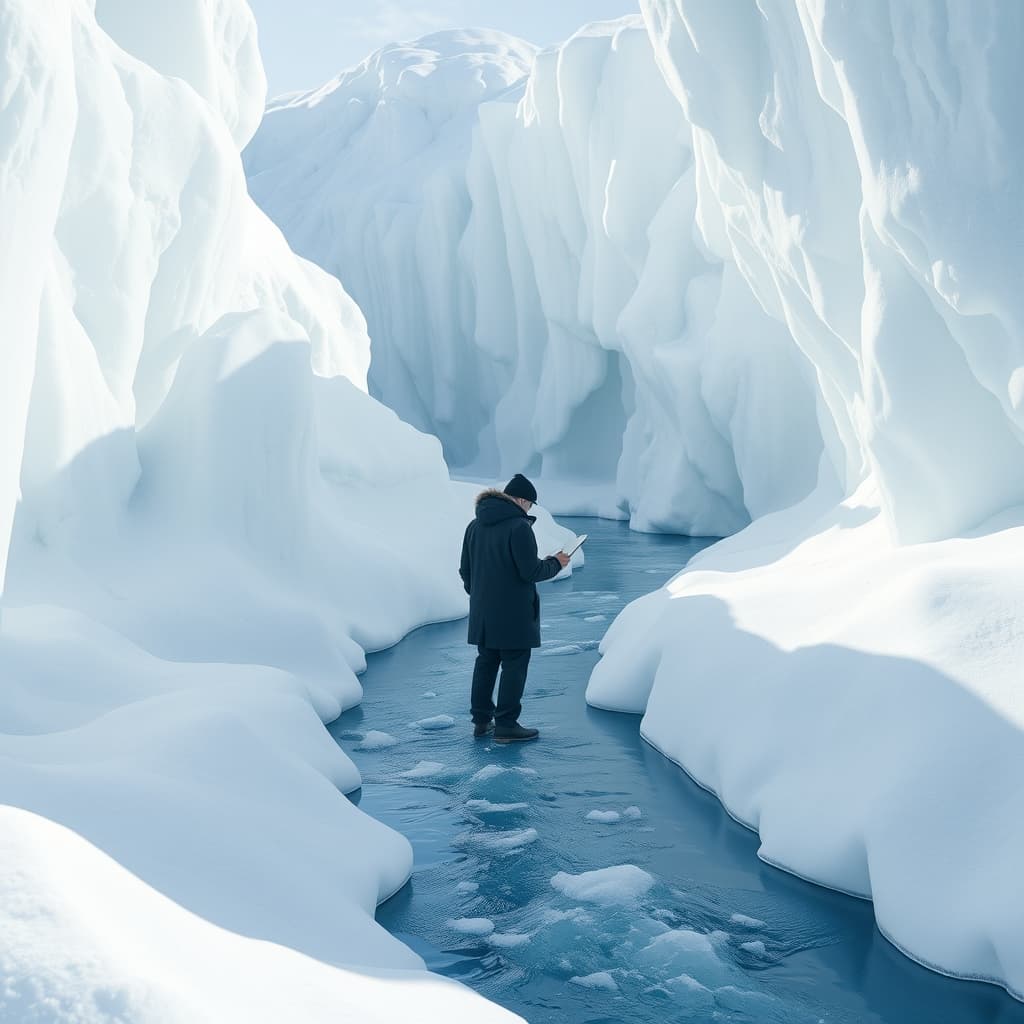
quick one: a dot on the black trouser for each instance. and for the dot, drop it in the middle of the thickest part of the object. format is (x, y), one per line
(510, 693)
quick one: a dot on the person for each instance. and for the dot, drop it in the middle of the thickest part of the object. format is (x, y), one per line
(499, 570)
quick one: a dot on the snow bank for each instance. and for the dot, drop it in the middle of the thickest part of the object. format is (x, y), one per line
(845, 676)
(526, 257)
(84, 940)
(888, 677)
(204, 521)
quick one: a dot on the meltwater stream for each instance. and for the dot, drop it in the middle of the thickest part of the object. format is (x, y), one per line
(681, 921)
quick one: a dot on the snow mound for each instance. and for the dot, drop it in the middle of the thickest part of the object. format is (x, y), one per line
(623, 883)
(604, 817)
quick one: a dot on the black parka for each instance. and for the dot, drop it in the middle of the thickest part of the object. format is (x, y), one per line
(499, 569)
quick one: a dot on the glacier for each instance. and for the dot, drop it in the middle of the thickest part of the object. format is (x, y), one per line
(536, 293)
(201, 531)
(743, 269)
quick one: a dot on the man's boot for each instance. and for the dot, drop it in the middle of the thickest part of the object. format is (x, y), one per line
(514, 733)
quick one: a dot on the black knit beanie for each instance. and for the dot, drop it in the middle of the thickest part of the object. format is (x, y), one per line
(520, 487)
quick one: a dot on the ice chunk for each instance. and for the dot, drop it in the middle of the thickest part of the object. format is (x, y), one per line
(493, 771)
(430, 693)
(486, 807)
(435, 723)
(632, 812)
(423, 770)
(471, 925)
(682, 951)
(510, 841)
(595, 618)
(605, 817)
(600, 979)
(508, 940)
(374, 740)
(756, 947)
(747, 922)
(578, 647)
(467, 887)
(622, 883)
(687, 982)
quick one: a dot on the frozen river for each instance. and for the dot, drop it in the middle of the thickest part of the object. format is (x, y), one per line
(584, 878)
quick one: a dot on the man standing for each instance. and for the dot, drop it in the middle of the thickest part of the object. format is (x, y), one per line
(499, 569)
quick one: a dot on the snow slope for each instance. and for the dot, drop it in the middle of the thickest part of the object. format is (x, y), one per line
(537, 297)
(844, 674)
(204, 521)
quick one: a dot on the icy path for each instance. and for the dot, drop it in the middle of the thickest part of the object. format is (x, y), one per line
(584, 878)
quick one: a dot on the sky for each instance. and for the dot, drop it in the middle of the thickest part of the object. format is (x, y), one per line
(306, 42)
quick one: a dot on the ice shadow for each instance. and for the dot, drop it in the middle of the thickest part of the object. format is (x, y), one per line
(901, 712)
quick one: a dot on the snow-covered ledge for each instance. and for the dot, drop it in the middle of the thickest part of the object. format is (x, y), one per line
(858, 704)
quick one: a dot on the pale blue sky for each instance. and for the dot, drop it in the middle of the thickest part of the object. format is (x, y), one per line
(306, 42)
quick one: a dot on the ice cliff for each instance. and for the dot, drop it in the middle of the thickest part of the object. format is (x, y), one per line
(201, 529)
(535, 289)
(731, 262)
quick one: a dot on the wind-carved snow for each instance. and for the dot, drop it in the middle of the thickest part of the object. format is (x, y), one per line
(202, 527)
(534, 286)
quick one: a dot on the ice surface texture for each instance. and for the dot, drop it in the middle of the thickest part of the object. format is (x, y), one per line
(524, 249)
(203, 523)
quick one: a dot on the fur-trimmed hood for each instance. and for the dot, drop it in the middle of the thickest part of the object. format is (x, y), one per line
(494, 506)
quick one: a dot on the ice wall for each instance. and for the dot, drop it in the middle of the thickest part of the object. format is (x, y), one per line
(203, 525)
(860, 166)
(536, 290)
(845, 676)
(367, 174)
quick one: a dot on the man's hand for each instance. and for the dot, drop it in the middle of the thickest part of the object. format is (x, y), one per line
(563, 558)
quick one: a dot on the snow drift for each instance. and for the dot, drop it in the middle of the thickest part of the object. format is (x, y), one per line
(204, 521)
(745, 261)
